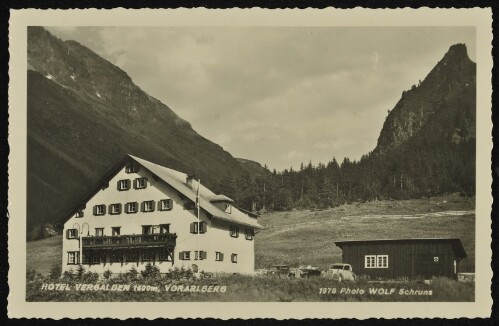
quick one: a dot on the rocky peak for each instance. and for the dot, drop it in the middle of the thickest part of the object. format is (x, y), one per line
(453, 75)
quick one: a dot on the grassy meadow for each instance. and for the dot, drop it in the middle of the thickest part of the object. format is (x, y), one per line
(298, 238)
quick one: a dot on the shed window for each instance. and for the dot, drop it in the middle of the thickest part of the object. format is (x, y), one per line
(219, 256)
(228, 208)
(233, 258)
(376, 261)
(99, 232)
(79, 213)
(382, 261)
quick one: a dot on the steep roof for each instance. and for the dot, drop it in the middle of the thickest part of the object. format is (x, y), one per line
(457, 246)
(178, 181)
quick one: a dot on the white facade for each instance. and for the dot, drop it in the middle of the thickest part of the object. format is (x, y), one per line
(222, 250)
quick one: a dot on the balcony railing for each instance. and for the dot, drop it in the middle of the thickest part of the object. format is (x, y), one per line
(130, 241)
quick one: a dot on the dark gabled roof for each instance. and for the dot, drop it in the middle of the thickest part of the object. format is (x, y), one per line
(457, 246)
(175, 179)
(95, 189)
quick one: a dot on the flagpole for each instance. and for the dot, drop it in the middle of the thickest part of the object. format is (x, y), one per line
(199, 224)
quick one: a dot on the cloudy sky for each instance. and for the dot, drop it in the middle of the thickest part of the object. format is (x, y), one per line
(277, 95)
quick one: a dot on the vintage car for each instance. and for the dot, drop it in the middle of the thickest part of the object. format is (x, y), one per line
(280, 271)
(340, 272)
(304, 272)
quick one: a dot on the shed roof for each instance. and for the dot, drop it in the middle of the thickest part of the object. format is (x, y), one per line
(457, 246)
(178, 181)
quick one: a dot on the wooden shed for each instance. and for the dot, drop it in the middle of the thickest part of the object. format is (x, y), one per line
(397, 258)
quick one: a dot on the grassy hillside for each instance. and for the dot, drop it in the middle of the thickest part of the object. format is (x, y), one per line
(307, 237)
(42, 254)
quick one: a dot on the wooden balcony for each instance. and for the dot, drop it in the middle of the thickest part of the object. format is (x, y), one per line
(165, 240)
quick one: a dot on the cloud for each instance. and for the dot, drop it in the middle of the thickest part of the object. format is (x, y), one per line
(278, 95)
(292, 155)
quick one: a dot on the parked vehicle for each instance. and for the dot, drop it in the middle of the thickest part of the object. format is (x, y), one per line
(280, 271)
(305, 272)
(340, 272)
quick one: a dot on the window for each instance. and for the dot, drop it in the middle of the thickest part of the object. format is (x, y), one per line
(219, 256)
(140, 183)
(115, 209)
(79, 213)
(234, 231)
(131, 208)
(163, 255)
(85, 258)
(148, 206)
(132, 168)
(376, 261)
(116, 230)
(382, 261)
(124, 184)
(199, 227)
(146, 229)
(131, 256)
(200, 255)
(164, 228)
(115, 257)
(99, 209)
(165, 204)
(249, 233)
(233, 258)
(71, 233)
(95, 259)
(99, 232)
(73, 257)
(146, 255)
(185, 255)
(228, 208)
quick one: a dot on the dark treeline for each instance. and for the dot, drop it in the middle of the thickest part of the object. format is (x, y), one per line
(416, 169)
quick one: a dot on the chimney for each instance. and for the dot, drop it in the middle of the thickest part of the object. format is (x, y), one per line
(189, 179)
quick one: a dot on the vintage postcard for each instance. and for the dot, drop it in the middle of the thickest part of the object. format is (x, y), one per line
(288, 163)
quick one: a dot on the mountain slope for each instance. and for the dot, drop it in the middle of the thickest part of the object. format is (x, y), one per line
(84, 114)
(451, 81)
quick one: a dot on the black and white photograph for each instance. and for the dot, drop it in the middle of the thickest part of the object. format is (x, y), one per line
(251, 163)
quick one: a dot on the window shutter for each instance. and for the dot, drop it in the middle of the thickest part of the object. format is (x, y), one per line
(153, 205)
(203, 254)
(181, 255)
(104, 206)
(142, 206)
(118, 185)
(119, 208)
(95, 209)
(135, 184)
(221, 256)
(67, 234)
(192, 227)
(170, 204)
(202, 227)
(128, 183)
